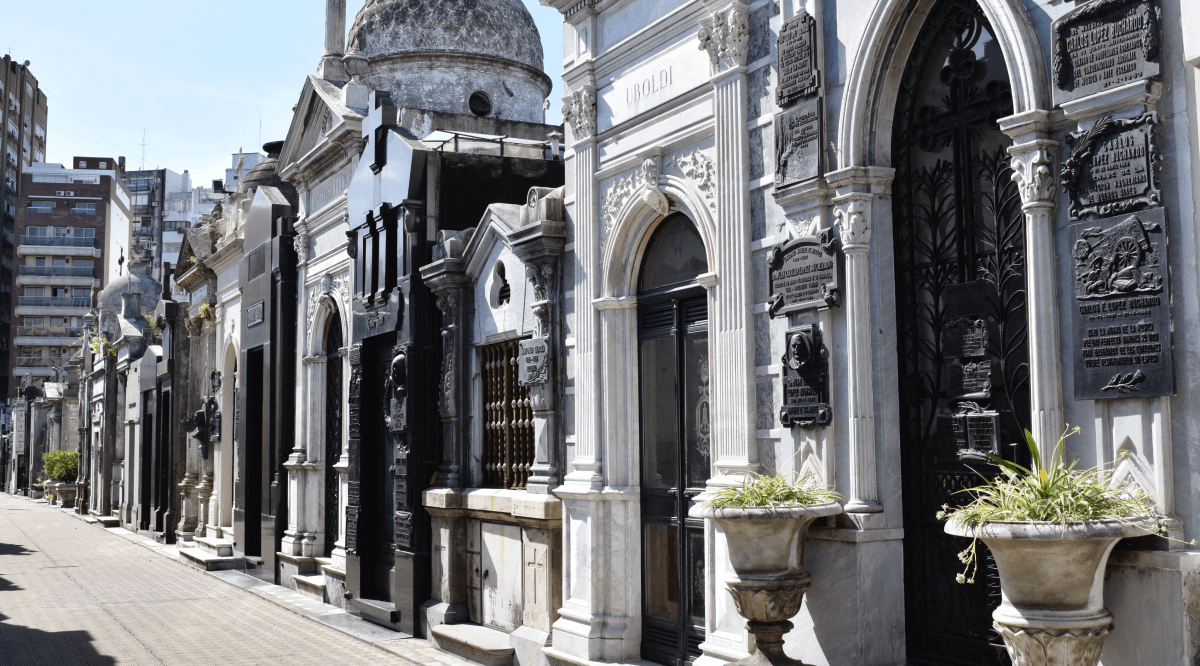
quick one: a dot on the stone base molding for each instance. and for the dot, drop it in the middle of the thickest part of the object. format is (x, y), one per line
(1032, 646)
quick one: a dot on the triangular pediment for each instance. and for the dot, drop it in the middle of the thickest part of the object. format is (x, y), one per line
(319, 111)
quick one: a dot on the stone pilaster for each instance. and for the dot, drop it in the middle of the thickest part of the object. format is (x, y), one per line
(1033, 162)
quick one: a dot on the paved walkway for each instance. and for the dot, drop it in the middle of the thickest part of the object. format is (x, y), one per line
(75, 593)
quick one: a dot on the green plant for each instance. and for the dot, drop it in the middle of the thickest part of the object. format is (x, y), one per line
(153, 323)
(100, 345)
(206, 310)
(1054, 494)
(61, 465)
(761, 490)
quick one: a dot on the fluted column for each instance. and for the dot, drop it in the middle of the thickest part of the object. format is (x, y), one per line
(331, 67)
(852, 215)
(1033, 171)
(726, 38)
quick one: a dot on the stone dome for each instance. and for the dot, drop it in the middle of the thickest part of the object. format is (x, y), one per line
(480, 57)
(264, 173)
(129, 283)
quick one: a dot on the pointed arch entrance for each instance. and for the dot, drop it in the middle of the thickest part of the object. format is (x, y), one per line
(962, 334)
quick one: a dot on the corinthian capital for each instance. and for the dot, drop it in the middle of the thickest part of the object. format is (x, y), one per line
(726, 37)
(579, 111)
(1033, 170)
(850, 216)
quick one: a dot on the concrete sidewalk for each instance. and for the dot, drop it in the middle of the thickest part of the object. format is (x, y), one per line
(77, 593)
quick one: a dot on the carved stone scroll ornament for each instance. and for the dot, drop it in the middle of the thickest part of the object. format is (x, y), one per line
(301, 243)
(579, 111)
(726, 37)
(852, 224)
(699, 168)
(644, 179)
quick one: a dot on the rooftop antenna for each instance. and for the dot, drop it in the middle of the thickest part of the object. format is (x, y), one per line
(143, 150)
(260, 122)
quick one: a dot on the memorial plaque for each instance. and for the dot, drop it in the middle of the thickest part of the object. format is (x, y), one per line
(1122, 307)
(1104, 44)
(397, 418)
(964, 337)
(255, 314)
(533, 367)
(973, 431)
(805, 379)
(805, 273)
(352, 530)
(404, 528)
(1111, 167)
(970, 380)
(799, 74)
(798, 153)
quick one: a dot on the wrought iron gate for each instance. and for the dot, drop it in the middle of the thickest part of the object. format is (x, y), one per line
(333, 430)
(959, 253)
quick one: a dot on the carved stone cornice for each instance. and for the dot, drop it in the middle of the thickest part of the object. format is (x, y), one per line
(726, 37)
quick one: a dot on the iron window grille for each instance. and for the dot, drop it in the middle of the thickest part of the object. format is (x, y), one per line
(508, 419)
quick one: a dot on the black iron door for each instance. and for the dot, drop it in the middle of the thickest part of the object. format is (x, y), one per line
(333, 430)
(673, 340)
(961, 320)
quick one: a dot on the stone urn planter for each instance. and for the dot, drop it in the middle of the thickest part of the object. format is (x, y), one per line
(766, 551)
(1052, 587)
(52, 492)
(37, 491)
(66, 493)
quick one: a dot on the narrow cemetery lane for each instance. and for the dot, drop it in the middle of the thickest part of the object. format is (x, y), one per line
(72, 593)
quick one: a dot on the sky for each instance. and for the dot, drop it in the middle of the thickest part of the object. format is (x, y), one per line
(196, 81)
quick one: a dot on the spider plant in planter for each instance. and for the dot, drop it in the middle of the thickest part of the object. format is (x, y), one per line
(765, 521)
(1050, 529)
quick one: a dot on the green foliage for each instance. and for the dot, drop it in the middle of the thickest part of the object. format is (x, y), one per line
(1053, 494)
(101, 345)
(152, 322)
(760, 490)
(61, 465)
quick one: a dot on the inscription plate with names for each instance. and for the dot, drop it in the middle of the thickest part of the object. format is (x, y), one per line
(1104, 44)
(1122, 307)
(533, 362)
(969, 380)
(973, 432)
(255, 314)
(805, 273)
(798, 152)
(1110, 169)
(799, 74)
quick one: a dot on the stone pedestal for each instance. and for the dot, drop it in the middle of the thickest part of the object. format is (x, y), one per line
(186, 528)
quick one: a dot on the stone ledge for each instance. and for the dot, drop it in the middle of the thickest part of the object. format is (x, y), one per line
(855, 536)
(476, 643)
(1177, 560)
(312, 587)
(221, 547)
(205, 561)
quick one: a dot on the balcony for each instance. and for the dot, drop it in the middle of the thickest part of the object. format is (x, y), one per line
(63, 246)
(65, 271)
(54, 302)
(58, 241)
(39, 362)
(143, 231)
(50, 331)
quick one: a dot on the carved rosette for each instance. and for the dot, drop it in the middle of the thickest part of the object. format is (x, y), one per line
(579, 111)
(1033, 171)
(1028, 646)
(726, 37)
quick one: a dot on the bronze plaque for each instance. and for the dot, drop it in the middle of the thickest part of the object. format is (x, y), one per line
(805, 379)
(969, 380)
(799, 75)
(805, 273)
(1122, 307)
(798, 154)
(533, 362)
(1111, 167)
(1104, 44)
(972, 431)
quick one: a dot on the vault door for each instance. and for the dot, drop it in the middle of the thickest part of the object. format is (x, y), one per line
(333, 430)
(961, 321)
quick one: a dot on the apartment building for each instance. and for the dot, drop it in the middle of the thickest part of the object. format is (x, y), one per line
(73, 236)
(149, 193)
(22, 142)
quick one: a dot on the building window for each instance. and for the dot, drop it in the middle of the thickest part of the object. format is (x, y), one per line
(41, 207)
(84, 209)
(508, 419)
(60, 261)
(82, 164)
(84, 233)
(58, 322)
(82, 263)
(139, 199)
(39, 261)
(33, 321)
(35, 292)
(104, 165)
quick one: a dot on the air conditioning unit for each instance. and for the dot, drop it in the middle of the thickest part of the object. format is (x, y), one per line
(60, 193)
(70, 193)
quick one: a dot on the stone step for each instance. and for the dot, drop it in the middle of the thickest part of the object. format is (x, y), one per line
(201, 559)
(475, 643)
(311, 586)
(382, 613)
(109, 521)
(219, 547)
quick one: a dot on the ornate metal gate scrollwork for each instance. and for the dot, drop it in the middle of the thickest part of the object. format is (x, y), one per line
(958, 231)
(333, 430)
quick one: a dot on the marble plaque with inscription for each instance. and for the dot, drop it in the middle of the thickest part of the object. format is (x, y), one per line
(1104, 44)
(798, 153)
(799, 74)
(1110, 169)
(533, 362)
(1122, 307)
(804, 274)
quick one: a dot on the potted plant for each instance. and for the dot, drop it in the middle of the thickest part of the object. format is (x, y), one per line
(765, 521)
(1050, 529)
(63, 468)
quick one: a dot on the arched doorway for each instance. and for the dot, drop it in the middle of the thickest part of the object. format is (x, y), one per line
(675, 434)
(334, 342)
(961, 319)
